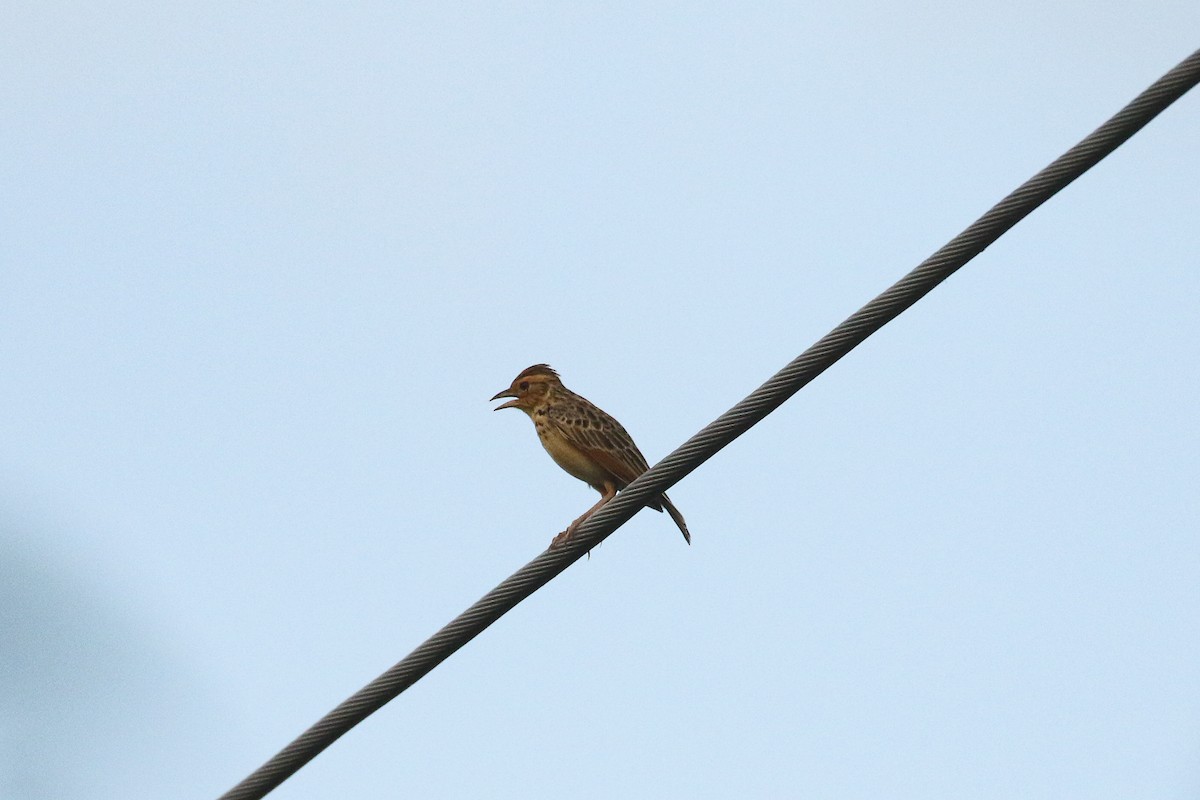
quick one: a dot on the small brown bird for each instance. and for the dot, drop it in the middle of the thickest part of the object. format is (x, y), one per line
(581, 439)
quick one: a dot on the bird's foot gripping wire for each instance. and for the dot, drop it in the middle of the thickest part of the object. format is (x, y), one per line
(564, 537)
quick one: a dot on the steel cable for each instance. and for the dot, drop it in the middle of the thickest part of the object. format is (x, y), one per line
(698, 449)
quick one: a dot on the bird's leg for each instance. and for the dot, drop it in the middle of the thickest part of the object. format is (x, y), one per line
(607, 493)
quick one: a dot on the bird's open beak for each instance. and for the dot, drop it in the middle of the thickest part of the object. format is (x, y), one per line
(509, 404)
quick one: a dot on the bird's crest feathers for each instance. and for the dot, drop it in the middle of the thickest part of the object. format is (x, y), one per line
(537, 369)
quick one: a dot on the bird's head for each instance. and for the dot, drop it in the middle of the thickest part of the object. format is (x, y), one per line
(529, 388)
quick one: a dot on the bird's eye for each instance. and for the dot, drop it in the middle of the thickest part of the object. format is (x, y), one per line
(524, 387)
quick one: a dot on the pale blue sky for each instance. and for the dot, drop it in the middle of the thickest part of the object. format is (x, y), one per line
(263, 265)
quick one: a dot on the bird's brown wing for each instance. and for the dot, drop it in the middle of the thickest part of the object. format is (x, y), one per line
(601, 438)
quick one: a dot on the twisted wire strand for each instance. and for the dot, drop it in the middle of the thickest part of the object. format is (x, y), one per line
(733, 423)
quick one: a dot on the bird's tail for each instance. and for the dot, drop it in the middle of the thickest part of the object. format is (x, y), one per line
(675, 515)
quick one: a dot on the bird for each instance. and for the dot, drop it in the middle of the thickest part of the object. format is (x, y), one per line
(586, 442)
